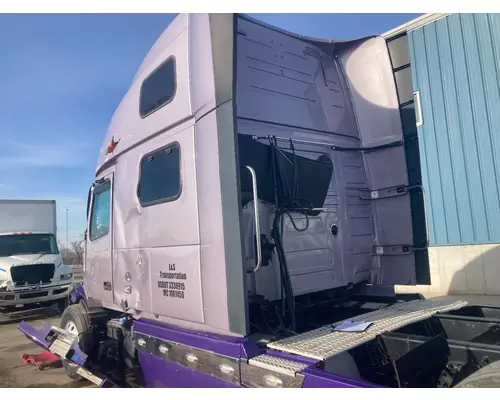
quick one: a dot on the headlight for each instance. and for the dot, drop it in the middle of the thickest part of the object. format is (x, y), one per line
(6, 286)
(65, 276)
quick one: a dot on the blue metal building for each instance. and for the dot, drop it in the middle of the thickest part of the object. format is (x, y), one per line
(446, 69)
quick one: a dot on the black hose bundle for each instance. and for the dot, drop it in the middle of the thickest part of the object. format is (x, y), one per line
(287, 201)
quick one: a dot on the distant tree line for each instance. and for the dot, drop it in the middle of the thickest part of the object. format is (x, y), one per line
(74, 254)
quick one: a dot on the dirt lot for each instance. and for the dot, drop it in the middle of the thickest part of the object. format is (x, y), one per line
(13, 344)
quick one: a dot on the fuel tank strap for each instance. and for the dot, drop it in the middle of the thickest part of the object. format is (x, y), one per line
(322, 343)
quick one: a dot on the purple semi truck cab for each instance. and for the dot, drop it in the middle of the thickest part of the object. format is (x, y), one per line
(249, 220)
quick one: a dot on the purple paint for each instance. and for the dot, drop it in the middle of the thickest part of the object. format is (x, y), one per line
(227, 346)
(162, 373)
(77, 294)
(38, 336)
(231, 347)
(159, 373)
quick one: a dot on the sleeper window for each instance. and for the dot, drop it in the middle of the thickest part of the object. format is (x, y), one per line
(160, 176)
(99, 223)
(404, 85)
(158, 89)
(398, 49)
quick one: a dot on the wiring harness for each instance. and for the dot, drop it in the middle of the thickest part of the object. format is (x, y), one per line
(287, 202)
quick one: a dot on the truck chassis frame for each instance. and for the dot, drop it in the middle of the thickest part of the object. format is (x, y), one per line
(438, 351)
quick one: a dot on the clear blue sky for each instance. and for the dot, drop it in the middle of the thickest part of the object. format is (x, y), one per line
(61, 77)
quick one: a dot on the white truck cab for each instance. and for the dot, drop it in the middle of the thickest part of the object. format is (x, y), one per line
(31, 266)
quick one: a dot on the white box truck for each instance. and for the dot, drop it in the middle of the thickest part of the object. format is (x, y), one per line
(31, 268)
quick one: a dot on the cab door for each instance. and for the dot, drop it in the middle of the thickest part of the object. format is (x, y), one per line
(99, 256)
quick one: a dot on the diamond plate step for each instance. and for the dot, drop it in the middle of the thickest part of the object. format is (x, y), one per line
(324, 342)
(277, 364)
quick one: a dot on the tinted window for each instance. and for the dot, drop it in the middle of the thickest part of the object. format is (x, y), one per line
(398, 48)
(158, 88)
(404, 85)
(99, 224)
(160, 176)
(11, 245)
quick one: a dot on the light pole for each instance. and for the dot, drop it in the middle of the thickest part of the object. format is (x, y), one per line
(67, 238)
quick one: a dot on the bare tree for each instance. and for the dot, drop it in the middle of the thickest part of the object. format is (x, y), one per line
(77, 249)
(65, 254)
(69, 256)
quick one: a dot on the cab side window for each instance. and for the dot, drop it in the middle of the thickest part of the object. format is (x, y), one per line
(160, 176)
(158, 89)
(101, 206)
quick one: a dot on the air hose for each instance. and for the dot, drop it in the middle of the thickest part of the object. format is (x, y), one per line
(285, 205)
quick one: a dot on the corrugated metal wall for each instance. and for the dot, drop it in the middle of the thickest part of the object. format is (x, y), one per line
(455, 68)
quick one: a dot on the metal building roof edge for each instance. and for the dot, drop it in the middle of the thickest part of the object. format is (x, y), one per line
(414, 24)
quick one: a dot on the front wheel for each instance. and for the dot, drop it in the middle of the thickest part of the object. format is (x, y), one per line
(74, 321)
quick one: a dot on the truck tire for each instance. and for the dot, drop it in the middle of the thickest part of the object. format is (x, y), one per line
(486, 377)
(75, 320)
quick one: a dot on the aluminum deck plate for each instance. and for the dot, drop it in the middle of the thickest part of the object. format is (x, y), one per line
(62, 344)
(324, 342)
(277, 364)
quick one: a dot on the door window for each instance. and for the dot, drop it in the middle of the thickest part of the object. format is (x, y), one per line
(100, 217)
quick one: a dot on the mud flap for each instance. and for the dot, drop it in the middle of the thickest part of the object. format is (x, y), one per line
(63, 344)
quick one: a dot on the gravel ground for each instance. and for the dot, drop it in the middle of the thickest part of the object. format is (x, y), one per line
(13, 344)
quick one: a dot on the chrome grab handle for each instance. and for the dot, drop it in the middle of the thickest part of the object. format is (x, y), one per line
(256, 218)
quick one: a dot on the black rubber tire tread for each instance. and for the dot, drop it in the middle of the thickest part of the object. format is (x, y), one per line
(75, 313)
(486, 377)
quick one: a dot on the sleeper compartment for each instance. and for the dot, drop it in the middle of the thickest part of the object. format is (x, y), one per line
(330, 109)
